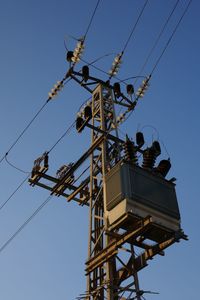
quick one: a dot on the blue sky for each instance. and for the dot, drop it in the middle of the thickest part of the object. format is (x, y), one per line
(46, 260)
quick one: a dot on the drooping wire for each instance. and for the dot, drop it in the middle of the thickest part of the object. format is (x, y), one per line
(15, 167)
(62, 136)
(171, 36)
(40, 110)
(56, 143)
(25, 223)
(24, 130)
(30, 122)
(29, 173)
(42, 205)
(158, 38)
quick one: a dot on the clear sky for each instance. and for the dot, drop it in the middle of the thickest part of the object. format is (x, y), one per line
(46, 260)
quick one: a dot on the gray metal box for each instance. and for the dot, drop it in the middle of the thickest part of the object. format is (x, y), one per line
(130, 188)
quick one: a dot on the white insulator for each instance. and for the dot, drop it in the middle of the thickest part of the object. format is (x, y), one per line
(80, 45)
(50, 95)
(75, 59)
(115, 65)
(76, 51)
(89, 103)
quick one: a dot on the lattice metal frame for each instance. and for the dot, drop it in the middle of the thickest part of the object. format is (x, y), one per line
(112, 266)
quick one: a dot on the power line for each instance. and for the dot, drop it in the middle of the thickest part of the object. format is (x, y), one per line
(42, 205)
(31, 121)
(167, 43)
(118, 58)
(65, 81)
(48, 199)
(135, 25)
(15, 191)
(25, 223)
(170, 38)
(24, 130)
(29, 173)
(158, 38)
(13, 166)
(91, 19)
(62, 136)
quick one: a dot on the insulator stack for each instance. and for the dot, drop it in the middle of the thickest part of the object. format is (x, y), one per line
(150, 155)
(129, 151)
(57, 87)
(116, 65)
(163, 167)
(142, 89)
(121, 118)
(78, 51)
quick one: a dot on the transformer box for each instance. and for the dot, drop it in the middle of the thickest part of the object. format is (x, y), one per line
(133, 193)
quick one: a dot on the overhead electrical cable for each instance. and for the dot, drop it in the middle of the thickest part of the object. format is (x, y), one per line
(135, 25)
(13, 166)
(49, 197)
(62, 136)
(75, 55)
(158, 38)
(31, 121)
(91, 19)
(29, 173)
(92, 64)
(171, 36)
(118, 58)
(24, 130)
(25, 223)
(166, 45)
(14, 192)
(65, 81)
(42, 205)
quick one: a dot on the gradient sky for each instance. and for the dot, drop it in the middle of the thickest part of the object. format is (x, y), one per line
(46, 260)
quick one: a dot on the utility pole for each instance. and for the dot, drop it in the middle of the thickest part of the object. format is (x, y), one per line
(127, 202)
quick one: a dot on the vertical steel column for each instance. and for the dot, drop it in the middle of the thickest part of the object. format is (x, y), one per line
(103, 117)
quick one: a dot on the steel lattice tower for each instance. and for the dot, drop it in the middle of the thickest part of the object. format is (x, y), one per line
(112, 266)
